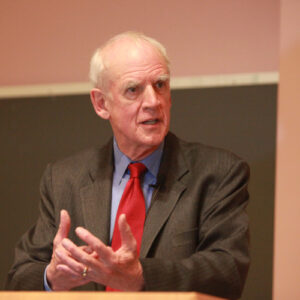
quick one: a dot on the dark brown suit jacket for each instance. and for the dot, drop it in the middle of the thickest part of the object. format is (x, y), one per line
(196, 230)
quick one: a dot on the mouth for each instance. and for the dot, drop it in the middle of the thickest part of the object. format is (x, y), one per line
(151, 122)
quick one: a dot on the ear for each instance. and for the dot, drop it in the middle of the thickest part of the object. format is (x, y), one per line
(99, 103)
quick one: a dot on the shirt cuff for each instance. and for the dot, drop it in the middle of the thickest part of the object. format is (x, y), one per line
(46, 285)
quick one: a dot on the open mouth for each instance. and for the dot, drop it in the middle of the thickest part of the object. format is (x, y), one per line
(151, 122)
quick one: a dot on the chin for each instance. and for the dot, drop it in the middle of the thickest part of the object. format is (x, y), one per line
(154, 140)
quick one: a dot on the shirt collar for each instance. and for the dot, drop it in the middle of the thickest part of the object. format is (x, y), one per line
(152, 161)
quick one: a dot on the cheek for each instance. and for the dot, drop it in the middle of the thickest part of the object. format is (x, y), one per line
(167, 108)
(129, 113)
(167, 101)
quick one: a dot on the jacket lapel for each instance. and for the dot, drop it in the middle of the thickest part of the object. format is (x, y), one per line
(96, 196)
(170, 187)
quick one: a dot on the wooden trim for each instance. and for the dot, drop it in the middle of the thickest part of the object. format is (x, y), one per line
(26, 295)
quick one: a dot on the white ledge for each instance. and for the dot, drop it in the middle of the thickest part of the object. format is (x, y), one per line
(80, 88)
(210, 81)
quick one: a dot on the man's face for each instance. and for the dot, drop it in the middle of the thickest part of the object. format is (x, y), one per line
(139, 98)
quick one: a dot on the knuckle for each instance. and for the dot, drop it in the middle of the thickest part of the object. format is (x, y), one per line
(71, 248)
(55, 241)
(79, 269)
(114, 260)
(57, 253)
(98, 246)
(134, 244)
(86, 259)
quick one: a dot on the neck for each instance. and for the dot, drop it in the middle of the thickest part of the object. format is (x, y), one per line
(138, 154)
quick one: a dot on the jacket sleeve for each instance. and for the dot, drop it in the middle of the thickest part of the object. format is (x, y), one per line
(220, 262)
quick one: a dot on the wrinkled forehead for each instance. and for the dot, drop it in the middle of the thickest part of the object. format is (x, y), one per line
(128, 54)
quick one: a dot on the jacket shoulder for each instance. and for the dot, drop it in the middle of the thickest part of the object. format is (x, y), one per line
(79, 168)
(208, 159)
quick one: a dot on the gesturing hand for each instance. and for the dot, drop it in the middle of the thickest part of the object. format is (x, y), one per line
(120, 270)
(60, 277)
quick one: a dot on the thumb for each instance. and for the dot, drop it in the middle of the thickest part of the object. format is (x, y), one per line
(64, 226)
(127, 239)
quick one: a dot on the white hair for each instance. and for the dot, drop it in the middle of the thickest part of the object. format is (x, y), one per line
(97, 64)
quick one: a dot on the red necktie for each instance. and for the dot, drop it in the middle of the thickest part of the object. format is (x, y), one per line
(132, 204)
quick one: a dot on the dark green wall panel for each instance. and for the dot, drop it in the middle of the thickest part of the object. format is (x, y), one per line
(36, 131)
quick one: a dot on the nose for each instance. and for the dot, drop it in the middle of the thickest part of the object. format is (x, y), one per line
(151, 99)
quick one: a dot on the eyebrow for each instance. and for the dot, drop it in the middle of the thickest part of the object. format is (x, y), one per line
(131, 83)
(135, 83)
(164, 77)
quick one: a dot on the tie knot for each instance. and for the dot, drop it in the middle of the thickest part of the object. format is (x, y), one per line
(136, 169)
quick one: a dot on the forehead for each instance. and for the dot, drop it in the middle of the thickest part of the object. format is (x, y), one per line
(129, 59)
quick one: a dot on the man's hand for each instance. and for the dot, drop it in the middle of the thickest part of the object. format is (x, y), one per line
(120, 270)
(60, 277)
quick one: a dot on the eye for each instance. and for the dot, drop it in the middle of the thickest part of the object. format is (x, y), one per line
(160, 84)
(132, 89)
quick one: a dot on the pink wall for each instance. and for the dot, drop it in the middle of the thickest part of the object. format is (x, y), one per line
(287, 204)
(52, 41)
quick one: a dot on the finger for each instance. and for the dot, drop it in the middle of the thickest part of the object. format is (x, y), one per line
(58, 252)
(67, 271)
(64, 227)
(101, 249)
(66, 259)
(89, 250)
(127, 239)
(73, 278)
(78, 253)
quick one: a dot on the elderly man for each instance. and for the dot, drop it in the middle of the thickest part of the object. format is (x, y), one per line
(147, 211)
